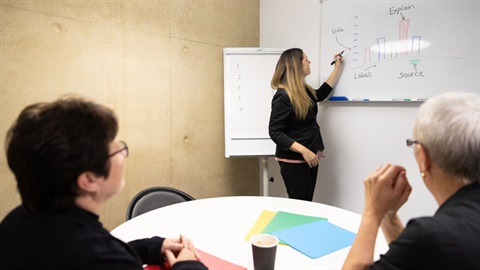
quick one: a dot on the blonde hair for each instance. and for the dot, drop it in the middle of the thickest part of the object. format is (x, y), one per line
(290, 76)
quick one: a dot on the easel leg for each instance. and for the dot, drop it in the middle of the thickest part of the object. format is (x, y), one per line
(264, 176)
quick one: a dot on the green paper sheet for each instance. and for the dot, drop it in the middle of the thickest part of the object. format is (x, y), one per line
(284, 220)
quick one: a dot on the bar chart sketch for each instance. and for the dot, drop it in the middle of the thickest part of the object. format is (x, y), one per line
(410, 50)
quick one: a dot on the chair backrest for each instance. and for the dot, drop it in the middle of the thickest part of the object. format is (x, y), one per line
(153, 198)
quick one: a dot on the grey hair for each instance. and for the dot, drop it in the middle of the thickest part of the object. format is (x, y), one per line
(448, 126)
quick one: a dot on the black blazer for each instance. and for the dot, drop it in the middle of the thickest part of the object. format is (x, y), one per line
(285, 128)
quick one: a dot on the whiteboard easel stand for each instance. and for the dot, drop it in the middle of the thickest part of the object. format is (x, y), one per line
(264, 176)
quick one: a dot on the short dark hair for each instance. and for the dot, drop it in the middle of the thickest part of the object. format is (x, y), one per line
(51, 144)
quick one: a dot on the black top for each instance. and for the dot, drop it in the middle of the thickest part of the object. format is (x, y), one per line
(448, 240)
(74, 239)
(285, 128)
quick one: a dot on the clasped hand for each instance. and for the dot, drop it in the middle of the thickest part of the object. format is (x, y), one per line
(181, 249)
(386, 190)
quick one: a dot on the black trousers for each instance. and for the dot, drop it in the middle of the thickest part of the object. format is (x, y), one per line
(300, 180)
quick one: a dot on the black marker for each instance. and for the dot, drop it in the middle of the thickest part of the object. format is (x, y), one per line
(335, 60)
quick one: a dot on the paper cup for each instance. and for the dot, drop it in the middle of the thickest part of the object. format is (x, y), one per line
(264, 249)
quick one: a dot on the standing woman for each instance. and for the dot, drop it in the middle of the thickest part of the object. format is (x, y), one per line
(293, 121)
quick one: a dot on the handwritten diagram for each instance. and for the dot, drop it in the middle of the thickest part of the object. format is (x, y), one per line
(410, 50)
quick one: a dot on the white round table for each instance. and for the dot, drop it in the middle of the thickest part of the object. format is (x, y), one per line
(219, 226)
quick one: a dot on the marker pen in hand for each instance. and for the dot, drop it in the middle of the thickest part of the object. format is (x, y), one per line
(335, 60)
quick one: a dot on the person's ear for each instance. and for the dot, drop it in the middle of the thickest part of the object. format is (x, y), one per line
(87, 182)
(423, 159)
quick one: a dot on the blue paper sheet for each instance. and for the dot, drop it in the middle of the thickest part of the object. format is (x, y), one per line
(317, 238)
(283, 220)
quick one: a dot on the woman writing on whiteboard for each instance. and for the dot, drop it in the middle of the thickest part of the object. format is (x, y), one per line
(293, 123)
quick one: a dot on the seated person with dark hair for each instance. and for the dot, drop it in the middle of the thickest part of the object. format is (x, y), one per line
(68, 163)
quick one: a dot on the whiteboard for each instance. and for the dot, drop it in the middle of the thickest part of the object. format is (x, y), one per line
(409, 50)
(247, 96)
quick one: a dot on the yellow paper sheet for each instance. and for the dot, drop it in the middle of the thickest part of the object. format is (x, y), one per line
(262, 222)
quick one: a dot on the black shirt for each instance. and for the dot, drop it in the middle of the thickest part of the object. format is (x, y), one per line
(448, 240)
(74, 239)
(285, 128)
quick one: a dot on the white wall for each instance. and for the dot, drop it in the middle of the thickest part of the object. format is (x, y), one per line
(358, 137)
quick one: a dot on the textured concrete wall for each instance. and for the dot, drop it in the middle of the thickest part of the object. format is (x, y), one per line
(158, 64)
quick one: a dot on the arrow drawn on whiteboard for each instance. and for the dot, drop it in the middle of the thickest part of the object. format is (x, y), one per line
(415, 62)
(403, 17)
(374, 66)
(342, 44)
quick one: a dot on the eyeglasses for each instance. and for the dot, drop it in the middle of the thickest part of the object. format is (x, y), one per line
(411, 142)
(122, 149)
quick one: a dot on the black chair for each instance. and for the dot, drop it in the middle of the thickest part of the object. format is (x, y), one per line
(153, 198)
